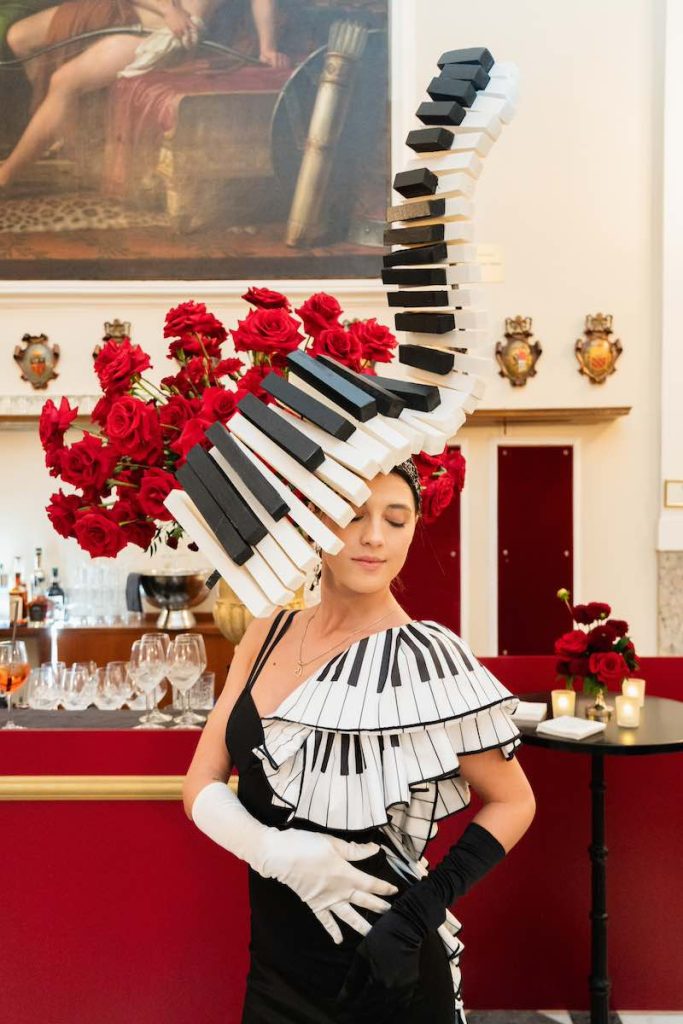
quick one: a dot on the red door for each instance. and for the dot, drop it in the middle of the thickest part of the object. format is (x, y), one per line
(535, 545)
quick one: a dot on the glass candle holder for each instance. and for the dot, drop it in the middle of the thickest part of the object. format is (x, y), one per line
(564, 702)
(628, 711)
(634, 688)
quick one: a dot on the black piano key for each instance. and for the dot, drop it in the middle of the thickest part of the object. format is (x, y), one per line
(452, 89)
(436, 253)
(417, 211)
(425, 323)
(308, 407)
(442, 112)
(415, 277)
(216, 520)
(387, 403)
(416, 235)
(350, 397)
(432, 359)
(211, 581)
(404, 297)
(430, 140)
(418, 182)
(420, 397)
(228, 497)
(473, 73)
(253, 479)
(471, 55)
(298, 445)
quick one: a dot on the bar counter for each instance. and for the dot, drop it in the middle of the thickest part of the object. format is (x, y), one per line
(128, 912)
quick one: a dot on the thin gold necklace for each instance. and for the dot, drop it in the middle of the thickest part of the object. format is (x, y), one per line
(300, 663)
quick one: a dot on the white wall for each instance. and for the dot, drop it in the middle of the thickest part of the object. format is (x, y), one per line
(572, 192)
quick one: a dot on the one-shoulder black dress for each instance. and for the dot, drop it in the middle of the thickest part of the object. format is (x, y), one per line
(296, 969)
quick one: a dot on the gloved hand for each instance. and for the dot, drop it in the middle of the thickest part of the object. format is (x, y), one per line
(315, 866)
(385, 966)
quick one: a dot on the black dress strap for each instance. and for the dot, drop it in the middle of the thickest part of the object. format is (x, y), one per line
(278, 628)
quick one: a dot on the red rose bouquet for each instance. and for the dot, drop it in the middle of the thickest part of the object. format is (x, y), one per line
(124, 466)
(601, 654)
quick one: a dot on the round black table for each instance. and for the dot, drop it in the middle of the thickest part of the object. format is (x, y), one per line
(660, 732)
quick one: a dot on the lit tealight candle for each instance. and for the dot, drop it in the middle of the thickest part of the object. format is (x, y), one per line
(634, 688)
(564, 702)
(628, 711)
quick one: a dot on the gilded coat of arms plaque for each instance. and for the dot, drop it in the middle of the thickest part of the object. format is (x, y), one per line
(517, 358)
(596, 352)
(37, 359)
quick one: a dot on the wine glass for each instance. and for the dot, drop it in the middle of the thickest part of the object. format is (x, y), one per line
(14, 671)
(147, 667)
(185, 665)
(110, 685)
(47, 689)
(77, 688)
(156, 715)
(199, 640)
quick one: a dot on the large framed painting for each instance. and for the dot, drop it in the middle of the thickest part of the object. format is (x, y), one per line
(193, 139)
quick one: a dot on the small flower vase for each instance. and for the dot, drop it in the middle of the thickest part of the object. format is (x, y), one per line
(599, 711)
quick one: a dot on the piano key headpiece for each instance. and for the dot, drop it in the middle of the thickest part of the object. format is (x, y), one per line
(248, 502)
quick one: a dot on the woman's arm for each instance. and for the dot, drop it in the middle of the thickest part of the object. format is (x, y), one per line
(211, 761)
(503, 788)
(175, 17)
(264, 15)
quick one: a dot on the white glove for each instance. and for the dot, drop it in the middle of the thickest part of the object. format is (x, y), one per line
(314, 865)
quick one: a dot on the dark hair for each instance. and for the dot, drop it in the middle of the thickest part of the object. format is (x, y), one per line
(408, 471)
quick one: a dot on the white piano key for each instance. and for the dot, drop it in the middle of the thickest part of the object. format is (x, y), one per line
(319, 493)
(450, 162)
(458, 208)
(456, 231)
(362, 438)
(468, 384)
(476, 142)
(475, 273)
(504, 69)
(493, 106)
(435, 440)
(414, 435)
(250, 594)
(281, 565)
(458, 298)
(460, 184)
(465, 252)
(473, 341)
(265, 577)
(341, 451)
(287, 536)
(480, 366)
(309, 522)
(479, 121)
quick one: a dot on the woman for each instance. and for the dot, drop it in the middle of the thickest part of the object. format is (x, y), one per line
(341, 777)
(61, 77)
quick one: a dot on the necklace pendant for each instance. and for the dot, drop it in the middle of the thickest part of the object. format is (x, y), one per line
(298, 670)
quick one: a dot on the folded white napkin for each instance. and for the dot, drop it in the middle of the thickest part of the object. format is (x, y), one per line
(570, 728)
(154, 49)
(530, 711)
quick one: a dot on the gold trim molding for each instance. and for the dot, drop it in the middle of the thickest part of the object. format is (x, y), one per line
(578, 416)
(93, 787)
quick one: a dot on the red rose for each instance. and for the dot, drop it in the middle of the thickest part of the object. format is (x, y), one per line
(137, 529)
(53, 458)
(218, 404)
(601, 638)
(436, 497)
(597, 610)
(155, 487)
(250, 383)
(55, 422)
(571, 644)
(266, 299)
(573, 667)
(193, 433)
(190, 319)
(88, 464)
(375, 339)
(61, 511)
(609, 667)
(319, 313)
(134, 428)
(174, 414)
(194, 345)
(118, 362)
(268, 331)
(619, 626)
(198, 372)
(102, 409)
(99, 534)
(340, 344)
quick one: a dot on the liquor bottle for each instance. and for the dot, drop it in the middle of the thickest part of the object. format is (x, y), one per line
(18, 595)
(38, 605)
(56, 597)
(4, 593)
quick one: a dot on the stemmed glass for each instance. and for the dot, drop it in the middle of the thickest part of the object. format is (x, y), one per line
(14, 671)
(111, 685)
(47, 689)
(147, 668)
(156, 715)
(187, 661)
(77, 686)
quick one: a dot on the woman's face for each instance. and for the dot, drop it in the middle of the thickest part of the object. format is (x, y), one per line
(377, 539)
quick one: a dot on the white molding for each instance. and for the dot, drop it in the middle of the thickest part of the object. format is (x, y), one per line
(465, 543)
(495, 443)
(31, 405)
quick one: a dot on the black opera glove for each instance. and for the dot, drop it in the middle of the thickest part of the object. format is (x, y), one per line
(385, 967)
